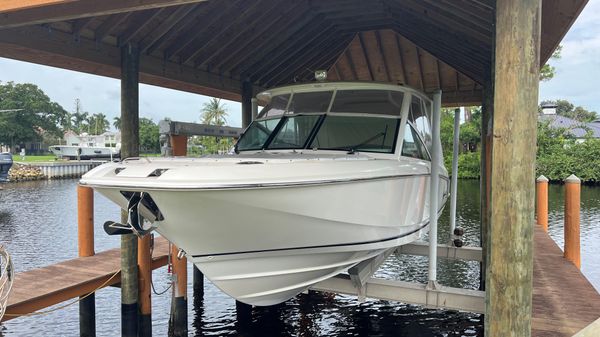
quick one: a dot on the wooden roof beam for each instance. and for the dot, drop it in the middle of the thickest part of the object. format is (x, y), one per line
(238, 49)
(298, 54)
(54, 48)
(108, 25)
(310, 61)
(214, 17)
(169, 23)
(137, 24)
(246, 21)
(188, 20)
(54, 11)
(281, 45)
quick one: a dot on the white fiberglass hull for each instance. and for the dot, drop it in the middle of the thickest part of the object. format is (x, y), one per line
(264, 243)
(69, 151)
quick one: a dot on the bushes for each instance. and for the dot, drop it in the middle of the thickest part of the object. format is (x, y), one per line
(558, 156)
(581, 159)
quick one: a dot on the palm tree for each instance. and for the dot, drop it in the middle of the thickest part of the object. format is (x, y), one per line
(101, 123)
(214, 113)
(117, 123)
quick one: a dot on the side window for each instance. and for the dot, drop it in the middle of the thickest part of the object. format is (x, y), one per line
(412, 146)
(420, 120)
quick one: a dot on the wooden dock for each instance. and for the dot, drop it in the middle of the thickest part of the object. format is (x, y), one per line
(40, 288)
(564, 301)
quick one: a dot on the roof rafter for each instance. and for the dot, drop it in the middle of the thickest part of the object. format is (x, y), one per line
(54, 11)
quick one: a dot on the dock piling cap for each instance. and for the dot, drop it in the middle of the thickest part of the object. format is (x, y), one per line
(541, 179)
(572, 179)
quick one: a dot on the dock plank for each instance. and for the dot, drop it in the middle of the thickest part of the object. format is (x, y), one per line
(40, 288)
(564, 301)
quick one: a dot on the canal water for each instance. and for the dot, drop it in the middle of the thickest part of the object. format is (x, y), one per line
(38, 224)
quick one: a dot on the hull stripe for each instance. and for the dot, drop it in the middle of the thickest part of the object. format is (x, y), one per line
(321, 246)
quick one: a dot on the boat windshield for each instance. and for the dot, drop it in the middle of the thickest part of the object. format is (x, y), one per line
(350, 120)
(320, 131)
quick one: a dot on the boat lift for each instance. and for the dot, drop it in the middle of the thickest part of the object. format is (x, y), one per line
(358, 281)
(432, 294)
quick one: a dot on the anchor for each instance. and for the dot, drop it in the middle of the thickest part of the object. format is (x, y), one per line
(134, 220)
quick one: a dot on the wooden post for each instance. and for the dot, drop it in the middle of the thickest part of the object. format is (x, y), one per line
(572, 207)
(178, 320)
(516, 81)
(486, 171)
(145, 286)
(129, 148)
(246, 103)
(241, 308)
(85, 235)
(198, 284)
(541, 186)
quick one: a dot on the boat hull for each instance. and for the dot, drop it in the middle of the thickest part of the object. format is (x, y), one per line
(83, 152)
(265, 245)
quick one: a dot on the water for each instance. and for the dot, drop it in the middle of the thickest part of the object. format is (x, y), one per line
(38, 224)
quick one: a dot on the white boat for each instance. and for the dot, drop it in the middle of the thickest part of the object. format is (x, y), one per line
(86, 146)
(328, 175)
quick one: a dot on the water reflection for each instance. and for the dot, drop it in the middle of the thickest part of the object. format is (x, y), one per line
(38, 225)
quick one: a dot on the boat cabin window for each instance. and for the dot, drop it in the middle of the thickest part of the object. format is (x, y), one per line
(412, 145)
(310, 102)
(368, 134)
(276, 107)
(294, 132)
(257, 134)
(420, 118)
(384, 102)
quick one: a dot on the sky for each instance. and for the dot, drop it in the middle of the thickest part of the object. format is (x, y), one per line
(577, 80)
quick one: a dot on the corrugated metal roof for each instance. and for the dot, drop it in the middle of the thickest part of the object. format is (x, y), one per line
(577, 128)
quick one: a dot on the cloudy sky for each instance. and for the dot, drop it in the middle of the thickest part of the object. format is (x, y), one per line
(577, 80)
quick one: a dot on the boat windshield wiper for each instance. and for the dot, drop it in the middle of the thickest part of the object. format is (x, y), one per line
(352, 149)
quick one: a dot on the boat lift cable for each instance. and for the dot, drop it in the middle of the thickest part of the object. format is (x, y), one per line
(7, 275)
(168, 268)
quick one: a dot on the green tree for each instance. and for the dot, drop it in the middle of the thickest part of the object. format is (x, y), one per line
(214, 113)
(149, 136)
(97, 124)
(117, 123)
(568, 109)
(32, 114)
(547, 72)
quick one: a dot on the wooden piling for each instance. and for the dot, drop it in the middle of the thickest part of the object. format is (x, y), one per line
(198, 283)
(145, 286)
(486, 172)
(541, 187)
(85, 236)
(572, 207)
(178, 319)
(510, 246)
(130, 58)
(246, 103)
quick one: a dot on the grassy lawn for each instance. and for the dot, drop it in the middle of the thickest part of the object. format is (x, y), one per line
(31, 159)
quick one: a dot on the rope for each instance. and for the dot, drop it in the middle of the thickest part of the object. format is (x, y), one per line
(40, 313)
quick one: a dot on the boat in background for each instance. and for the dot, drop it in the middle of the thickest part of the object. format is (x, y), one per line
(329, 175)
(6, 163)
(85, 146)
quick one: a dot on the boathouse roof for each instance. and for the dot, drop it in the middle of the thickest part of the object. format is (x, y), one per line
(210, 47)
